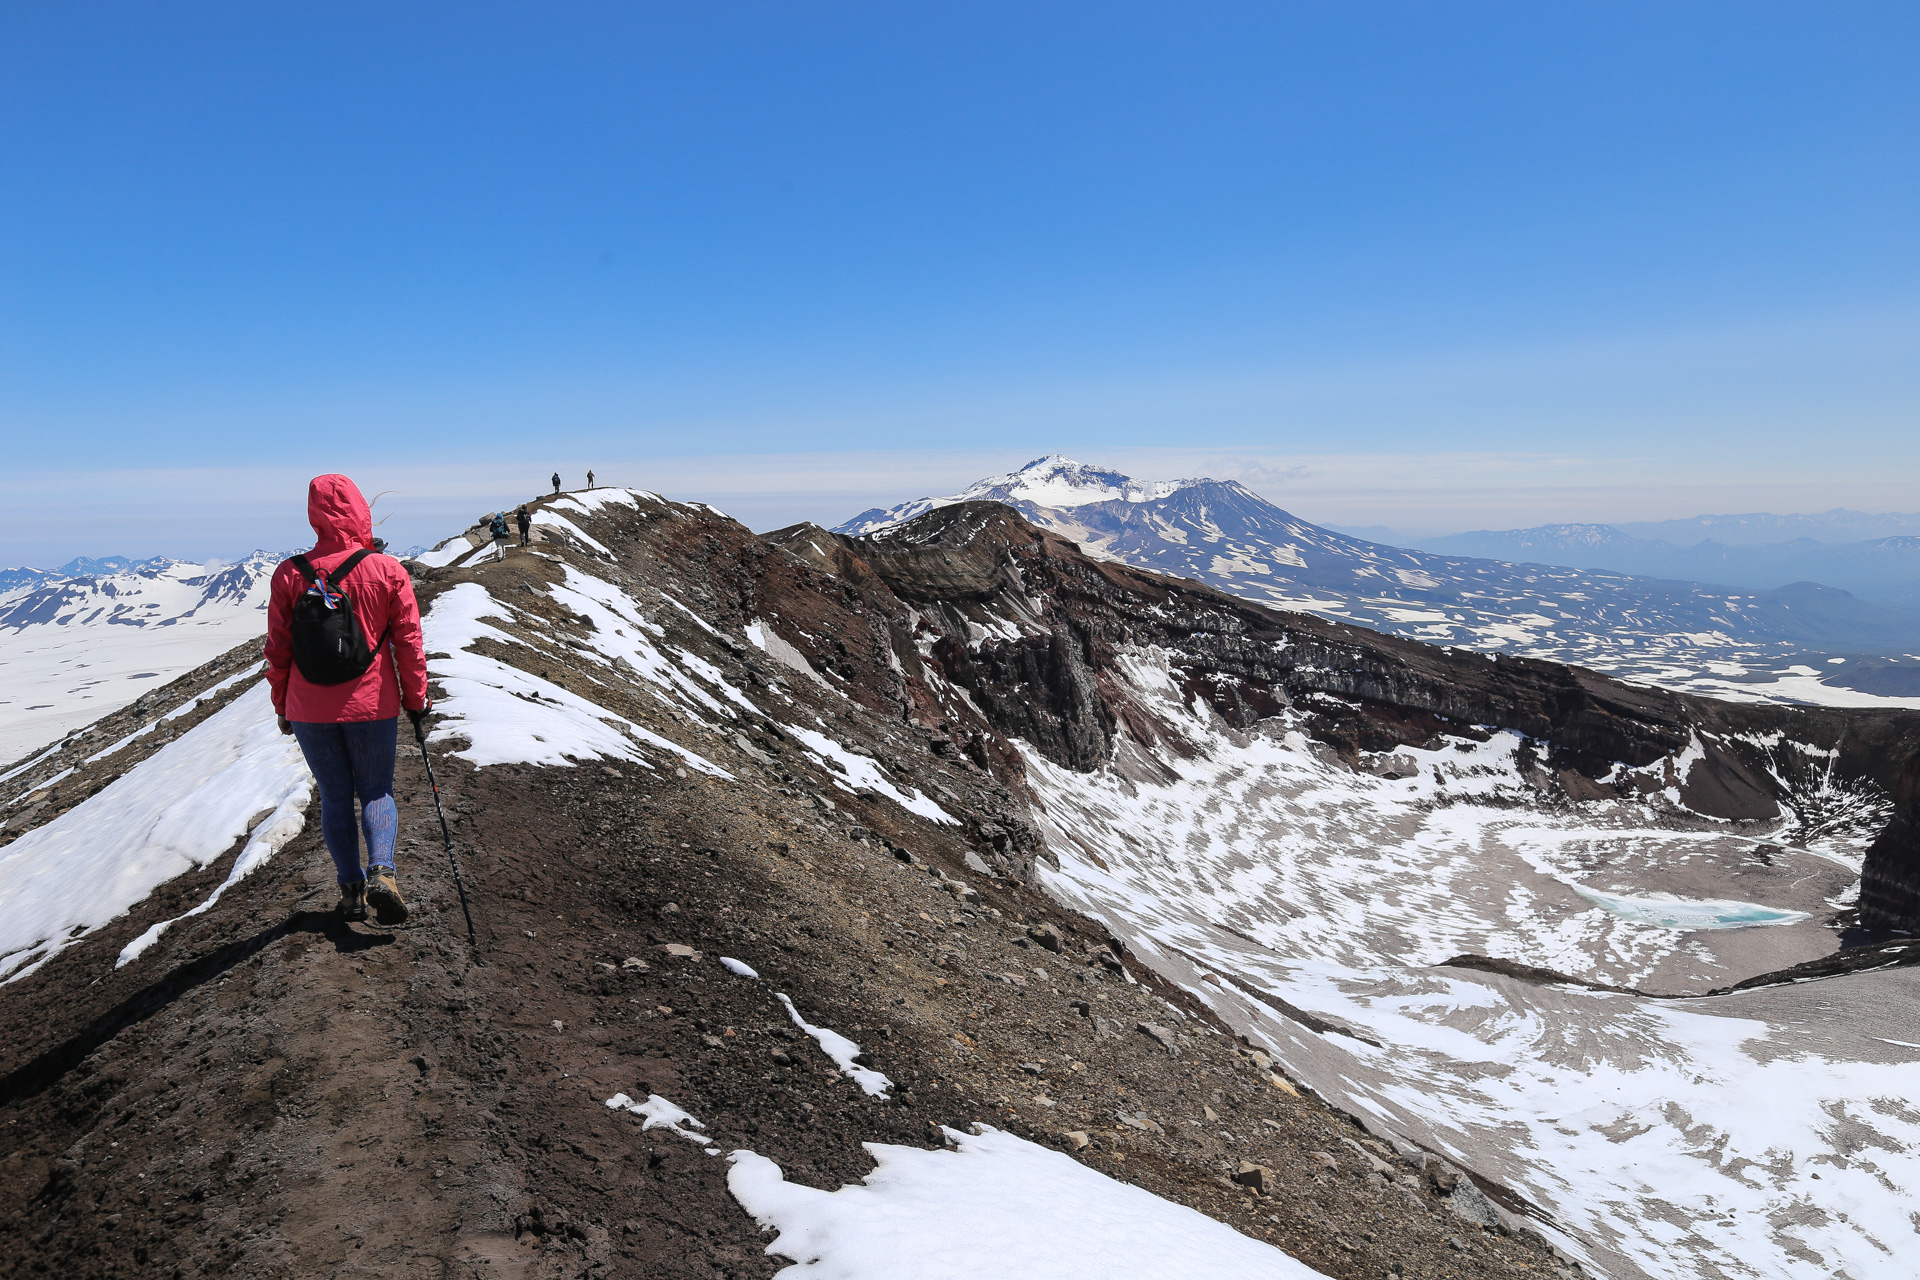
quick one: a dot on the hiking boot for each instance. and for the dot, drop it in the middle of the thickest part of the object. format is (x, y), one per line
(353, 901)
(383, 895)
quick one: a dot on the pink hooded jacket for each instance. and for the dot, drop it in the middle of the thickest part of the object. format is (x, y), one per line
(382, 601)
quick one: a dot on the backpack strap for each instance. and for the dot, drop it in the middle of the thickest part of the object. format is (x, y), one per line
(312, 575)
(346, 566)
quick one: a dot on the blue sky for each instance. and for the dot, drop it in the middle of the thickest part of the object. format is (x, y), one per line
(1425, 265)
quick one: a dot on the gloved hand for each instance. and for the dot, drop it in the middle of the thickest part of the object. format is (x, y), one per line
(419, 719)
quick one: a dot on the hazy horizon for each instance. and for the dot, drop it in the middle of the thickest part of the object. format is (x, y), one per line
(1429, 269)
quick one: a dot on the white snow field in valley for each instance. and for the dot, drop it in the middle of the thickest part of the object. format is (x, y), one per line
(74, 649)
(1765, 1133)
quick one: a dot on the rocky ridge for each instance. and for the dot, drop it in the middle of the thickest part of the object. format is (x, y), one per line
(267, 1092)
(1717, 640)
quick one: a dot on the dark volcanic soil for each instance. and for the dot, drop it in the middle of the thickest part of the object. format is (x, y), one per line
(272, 1093)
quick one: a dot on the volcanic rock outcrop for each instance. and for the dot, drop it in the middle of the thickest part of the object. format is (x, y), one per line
(973, 567)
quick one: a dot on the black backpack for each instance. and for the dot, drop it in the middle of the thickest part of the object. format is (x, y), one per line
(329, 646)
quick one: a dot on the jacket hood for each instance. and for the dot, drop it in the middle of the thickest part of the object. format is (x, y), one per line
(340, 517)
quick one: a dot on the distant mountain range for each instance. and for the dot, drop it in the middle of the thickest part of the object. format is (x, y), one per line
(78, 567)
(93, 635)
(1685, 634)
(1883, 571)
(1759, 528)
(1752, 529)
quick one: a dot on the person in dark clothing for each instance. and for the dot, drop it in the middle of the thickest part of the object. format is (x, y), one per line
(556, 482)
(524, 518)
(589, 479)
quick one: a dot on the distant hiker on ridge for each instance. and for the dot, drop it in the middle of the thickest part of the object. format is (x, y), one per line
(333, 617)
(525, 519)
(556, 482)
(589, 479)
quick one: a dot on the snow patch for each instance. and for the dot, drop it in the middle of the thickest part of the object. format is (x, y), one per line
(856, 771)
(547, 517)
(509, 716)
(997, 1205)
(172, 813)
(268, 838)
(446, 553)
(771, 643)
(843, 1052)
(661, 1114)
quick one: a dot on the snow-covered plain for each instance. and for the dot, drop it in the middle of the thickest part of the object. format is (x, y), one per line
(72, 650)
(1764, 1133)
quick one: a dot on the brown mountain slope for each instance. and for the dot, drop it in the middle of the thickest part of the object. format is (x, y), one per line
(267, 1092)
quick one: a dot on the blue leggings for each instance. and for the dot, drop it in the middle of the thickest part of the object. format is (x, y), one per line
(348, 761)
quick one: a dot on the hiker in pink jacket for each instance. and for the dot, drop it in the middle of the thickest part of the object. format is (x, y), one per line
(343, 658)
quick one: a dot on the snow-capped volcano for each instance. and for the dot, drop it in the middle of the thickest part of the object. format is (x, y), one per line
(1684, 635)
(1052, 483)
(74, 647)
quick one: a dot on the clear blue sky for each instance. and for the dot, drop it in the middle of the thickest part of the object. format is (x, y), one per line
(1636, 259)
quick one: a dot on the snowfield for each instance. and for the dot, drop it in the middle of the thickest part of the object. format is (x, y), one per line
(74, 649)
(1764, 1133)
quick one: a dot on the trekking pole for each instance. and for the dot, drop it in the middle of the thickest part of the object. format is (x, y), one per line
(420, 736)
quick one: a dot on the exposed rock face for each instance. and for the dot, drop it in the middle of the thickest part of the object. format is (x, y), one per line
(1654, 630)
(1890, 881)
(1029, 626)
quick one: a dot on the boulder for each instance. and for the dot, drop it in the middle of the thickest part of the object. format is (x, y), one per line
(1048, 936)
(1471, 1203)
(1256, 1176)
(1164, 1037)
